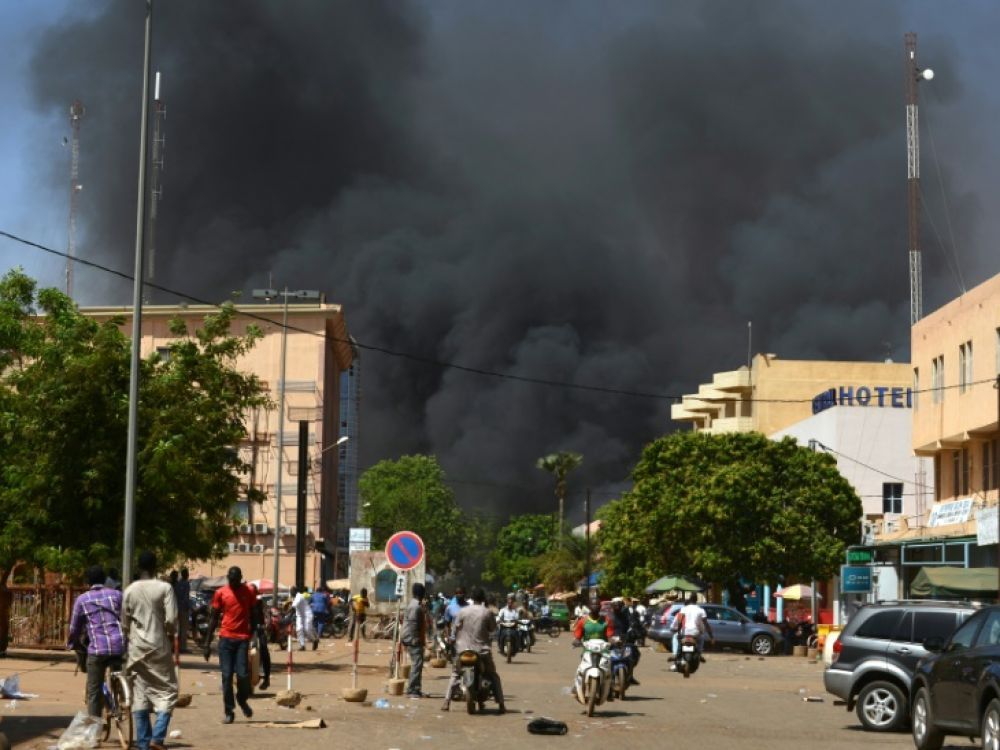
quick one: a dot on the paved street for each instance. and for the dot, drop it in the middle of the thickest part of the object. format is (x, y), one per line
(734, 700)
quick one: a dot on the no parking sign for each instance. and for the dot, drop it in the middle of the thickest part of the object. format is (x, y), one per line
(404, 550)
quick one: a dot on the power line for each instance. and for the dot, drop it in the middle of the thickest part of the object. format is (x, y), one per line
(828, 449)
(446, 364)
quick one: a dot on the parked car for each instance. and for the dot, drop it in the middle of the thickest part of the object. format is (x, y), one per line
(877, 653)
(731, 628)
(661, 620)
(956, 690)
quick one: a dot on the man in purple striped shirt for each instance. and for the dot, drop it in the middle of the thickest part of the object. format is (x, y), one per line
(97, 616)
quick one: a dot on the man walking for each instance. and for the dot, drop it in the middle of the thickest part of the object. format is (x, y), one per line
(259, 626)
(303, 619)
(182, 592)
(414, 636)
(149, 621)
(473, 628)
(233, 604)
(319, 603)
(97, 615)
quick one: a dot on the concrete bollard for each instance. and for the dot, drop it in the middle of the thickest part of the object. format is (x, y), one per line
(395, 687)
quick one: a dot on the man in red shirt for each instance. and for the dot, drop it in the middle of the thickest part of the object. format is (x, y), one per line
(234, 604)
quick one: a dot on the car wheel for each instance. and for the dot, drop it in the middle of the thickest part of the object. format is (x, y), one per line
(881, 707)
(762, 645)
(991, 726)
(925, 735)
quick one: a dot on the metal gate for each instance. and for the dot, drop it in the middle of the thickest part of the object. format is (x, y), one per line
(39, 616)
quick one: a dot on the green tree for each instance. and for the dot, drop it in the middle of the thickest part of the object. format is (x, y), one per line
(560, 465)
(63, 419)
(728, 506)
(514, 557)
(411, 494)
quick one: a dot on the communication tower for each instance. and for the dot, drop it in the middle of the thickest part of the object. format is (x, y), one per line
(76, 113)
(913, 76)
(156, 190)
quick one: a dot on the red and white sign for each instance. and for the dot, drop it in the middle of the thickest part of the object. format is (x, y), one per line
(404, 550)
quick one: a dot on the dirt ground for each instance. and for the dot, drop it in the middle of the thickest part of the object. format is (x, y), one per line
(733, 700)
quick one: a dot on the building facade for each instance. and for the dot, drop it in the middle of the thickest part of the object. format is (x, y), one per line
(318, 351)
(775, 393)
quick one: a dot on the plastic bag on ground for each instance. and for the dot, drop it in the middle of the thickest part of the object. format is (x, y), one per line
(81, 733)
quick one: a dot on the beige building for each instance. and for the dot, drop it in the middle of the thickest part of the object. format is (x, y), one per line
(317, 352)
(774, 393)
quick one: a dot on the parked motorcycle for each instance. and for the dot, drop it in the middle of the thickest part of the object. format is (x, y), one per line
(592, 686)
(444, 645)
(526, 634)
(474, 687)
(200, 613)
(688, 656)
(508, 639)
(336, 624)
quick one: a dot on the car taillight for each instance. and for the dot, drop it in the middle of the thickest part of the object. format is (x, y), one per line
(837, 648)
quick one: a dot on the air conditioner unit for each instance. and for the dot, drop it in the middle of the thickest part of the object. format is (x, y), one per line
(258, 548)
(287, 531)
(246, 528)
(242, 547)
(232, 546)
(260, 528)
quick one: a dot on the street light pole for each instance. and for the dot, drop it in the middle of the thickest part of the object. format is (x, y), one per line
(128, 542)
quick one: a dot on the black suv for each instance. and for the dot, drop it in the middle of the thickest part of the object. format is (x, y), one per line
(877, 654)
(957, 689)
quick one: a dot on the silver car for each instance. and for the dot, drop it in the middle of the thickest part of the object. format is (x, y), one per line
(735, 630)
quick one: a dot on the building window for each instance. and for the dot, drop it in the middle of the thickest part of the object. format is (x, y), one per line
(892, 497)
(990, 479)
(241, 511)
(964, 366)
(916, 387)
(956, 473)
(937, 380)
(163, 352)
(966, 470)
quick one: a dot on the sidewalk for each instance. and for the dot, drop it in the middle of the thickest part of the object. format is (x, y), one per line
(318, 675)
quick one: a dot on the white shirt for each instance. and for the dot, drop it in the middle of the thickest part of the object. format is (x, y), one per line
(507, 614)
(301, 606)
(581, 611)
(694, 619)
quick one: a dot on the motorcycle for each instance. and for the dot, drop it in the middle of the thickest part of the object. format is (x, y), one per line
(444, 646)
(621, 668)
(549, 626)
(592, 686)
(508, 639)
(474, 687)
(336, 623)
(688, 656)
(200, 614)
(526, 634)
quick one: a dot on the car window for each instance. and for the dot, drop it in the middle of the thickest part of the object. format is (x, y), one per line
(904, 631)
(990, 634)
(932, 625)
(727, 615)
(881, 624)
(963, 637)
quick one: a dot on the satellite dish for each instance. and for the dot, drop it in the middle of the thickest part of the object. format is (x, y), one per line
(927, 74)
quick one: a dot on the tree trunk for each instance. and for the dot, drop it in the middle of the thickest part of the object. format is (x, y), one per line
(5, 598)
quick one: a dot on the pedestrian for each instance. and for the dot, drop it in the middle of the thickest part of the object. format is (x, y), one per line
(96, 626)
(303, 619)
(182, 592)
(149, 621)
(233, 605)
(259, 623)
(414, 636)
(319, 603)
(359, 609)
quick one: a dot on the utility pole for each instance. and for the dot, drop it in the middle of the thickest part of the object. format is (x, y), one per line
(300, 507)
(586, 567)
(156, 187)
(76, 113)
(913, 76)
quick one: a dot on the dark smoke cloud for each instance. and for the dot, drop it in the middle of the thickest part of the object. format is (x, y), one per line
(535, 188)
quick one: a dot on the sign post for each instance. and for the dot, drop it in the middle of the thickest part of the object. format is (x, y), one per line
(404, 550)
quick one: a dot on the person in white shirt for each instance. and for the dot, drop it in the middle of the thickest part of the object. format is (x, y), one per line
(695, 622)
(510, 613)
(303, 619)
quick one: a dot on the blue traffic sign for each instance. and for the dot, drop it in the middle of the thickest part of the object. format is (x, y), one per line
(404, 550)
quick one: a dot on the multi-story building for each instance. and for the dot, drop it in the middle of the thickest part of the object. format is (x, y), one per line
(775, 393)
(318, 352)
(347, 473)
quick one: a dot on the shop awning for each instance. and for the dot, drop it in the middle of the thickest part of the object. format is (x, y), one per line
(957, 582)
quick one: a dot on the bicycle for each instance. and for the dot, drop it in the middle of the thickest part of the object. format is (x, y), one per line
(117, 690)
(384, 627)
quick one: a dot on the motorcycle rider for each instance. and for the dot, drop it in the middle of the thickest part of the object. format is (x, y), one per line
(259, 616)
(510, 614)
(691, 620)
(592, 626)
(473, 628)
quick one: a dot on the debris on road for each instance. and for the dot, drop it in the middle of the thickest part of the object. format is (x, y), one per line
(308, 724)
(812, 699)
(288, 698)
(183, 700)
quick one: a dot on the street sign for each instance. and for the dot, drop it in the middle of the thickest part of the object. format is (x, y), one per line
(855, 579)
(404, 550)
(855, 556)
(400, 586)
(359, 539)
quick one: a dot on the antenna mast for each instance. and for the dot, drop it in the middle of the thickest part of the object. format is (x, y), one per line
(913, 76)
(76, 113)
(156, 191)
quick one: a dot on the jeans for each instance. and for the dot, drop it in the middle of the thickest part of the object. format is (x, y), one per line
(234, 658)
(144, 734)
(96, 667)
(416, 669)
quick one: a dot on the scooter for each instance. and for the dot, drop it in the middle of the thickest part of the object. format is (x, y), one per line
(475, 686)
(549, 626)
(593, 676)
(621, 668)
(508, 639)
(444, 645)
(526, 633)
(688, 656)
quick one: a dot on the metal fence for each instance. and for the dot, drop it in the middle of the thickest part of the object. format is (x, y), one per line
(39, 616)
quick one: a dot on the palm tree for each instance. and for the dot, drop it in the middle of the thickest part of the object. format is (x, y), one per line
(560, 465)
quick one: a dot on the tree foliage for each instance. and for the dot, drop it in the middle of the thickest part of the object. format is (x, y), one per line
(514, 558)
(562, 567)
(728, 506)
(411, 494)
(63, 423)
